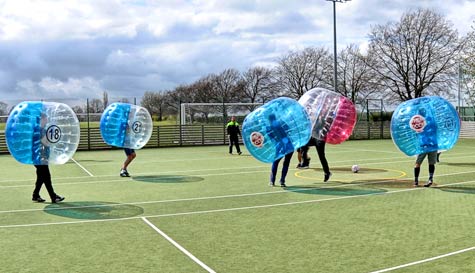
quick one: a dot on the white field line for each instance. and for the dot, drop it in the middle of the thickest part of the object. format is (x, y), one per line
(425, 260)
(182, 249)
(228, 196)
(175, 172)
(82, 167)
(208, 175)
(197, 198)
(210, 211)
(226, 210)
(363, 162)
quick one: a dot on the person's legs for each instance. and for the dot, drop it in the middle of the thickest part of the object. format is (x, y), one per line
(285, 168)
(299, 157)
(273, 171)
(230, 144)
(236, 143)
(39, 182)
(417, 168)
(432, 159)
(305, 157)
(130, 157)
(43, 174)
(323, 160)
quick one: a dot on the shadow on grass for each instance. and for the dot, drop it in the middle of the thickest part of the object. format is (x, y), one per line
(338, 191)
(467, 189)
(93, 210)
(167, 178)
(386, 183)
(460, 164)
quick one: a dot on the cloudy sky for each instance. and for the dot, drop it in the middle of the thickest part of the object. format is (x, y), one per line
(53, 49)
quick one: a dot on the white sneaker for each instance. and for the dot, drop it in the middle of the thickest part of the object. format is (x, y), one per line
(124, 173)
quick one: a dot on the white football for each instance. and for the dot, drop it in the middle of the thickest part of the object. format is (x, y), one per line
(355, 168)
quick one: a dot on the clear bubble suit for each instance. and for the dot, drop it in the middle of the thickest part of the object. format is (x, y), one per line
(42, 133)
(126, 125)
(275, 129)
(424, 125)
(333, 116)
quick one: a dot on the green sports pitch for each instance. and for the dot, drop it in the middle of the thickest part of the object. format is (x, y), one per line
(199, 209)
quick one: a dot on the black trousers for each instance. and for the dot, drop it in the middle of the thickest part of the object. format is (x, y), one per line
(320, 145)
(43, 176)
(234, 140)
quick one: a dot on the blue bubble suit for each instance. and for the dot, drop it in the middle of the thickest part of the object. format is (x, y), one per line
(275, 129)
(424, 125)
(125, 125)
(42, 133)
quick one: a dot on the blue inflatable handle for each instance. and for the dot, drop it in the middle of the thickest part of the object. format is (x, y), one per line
(114, 122)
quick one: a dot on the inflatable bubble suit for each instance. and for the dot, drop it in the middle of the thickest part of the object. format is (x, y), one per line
(125, 125)
(276, 129)
(333, 116)
(424, 125)
(42, 133)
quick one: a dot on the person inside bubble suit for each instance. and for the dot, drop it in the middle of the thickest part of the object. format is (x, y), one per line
(278, 132)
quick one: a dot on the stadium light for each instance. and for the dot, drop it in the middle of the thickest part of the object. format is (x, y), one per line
(335, 81)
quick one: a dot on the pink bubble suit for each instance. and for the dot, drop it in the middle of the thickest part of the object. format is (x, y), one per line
(333, 116)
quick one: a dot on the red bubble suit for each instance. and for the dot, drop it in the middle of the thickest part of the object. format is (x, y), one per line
(333, 116)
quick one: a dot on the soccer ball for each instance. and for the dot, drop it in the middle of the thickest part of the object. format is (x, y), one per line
(355, 168)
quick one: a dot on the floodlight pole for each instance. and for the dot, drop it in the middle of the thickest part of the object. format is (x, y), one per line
(335, 79)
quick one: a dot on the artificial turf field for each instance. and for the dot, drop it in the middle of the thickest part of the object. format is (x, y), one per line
(199, 209)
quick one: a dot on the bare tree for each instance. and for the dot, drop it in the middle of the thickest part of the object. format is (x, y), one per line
(154, 103)
(467, 69)
(3, 108)
(78, 109)
(257, 84)
(355, 77)
(416, 56)
(105, 99)
(226, 85)
(95, 106)
(299, 72)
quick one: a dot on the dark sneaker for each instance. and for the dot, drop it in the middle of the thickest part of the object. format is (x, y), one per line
(37, 199)
(326, 177)
(239, 153)
(428, 184)
(283, 185)
(299, 166)
(304, 166)
(57, 199)
(416, 184)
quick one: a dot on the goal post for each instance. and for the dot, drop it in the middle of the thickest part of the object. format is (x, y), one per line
(216, 113)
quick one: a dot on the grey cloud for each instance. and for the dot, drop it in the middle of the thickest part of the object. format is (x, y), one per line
(128, 65)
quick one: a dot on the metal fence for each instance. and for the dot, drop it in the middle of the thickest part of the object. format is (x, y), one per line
(196, 135)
